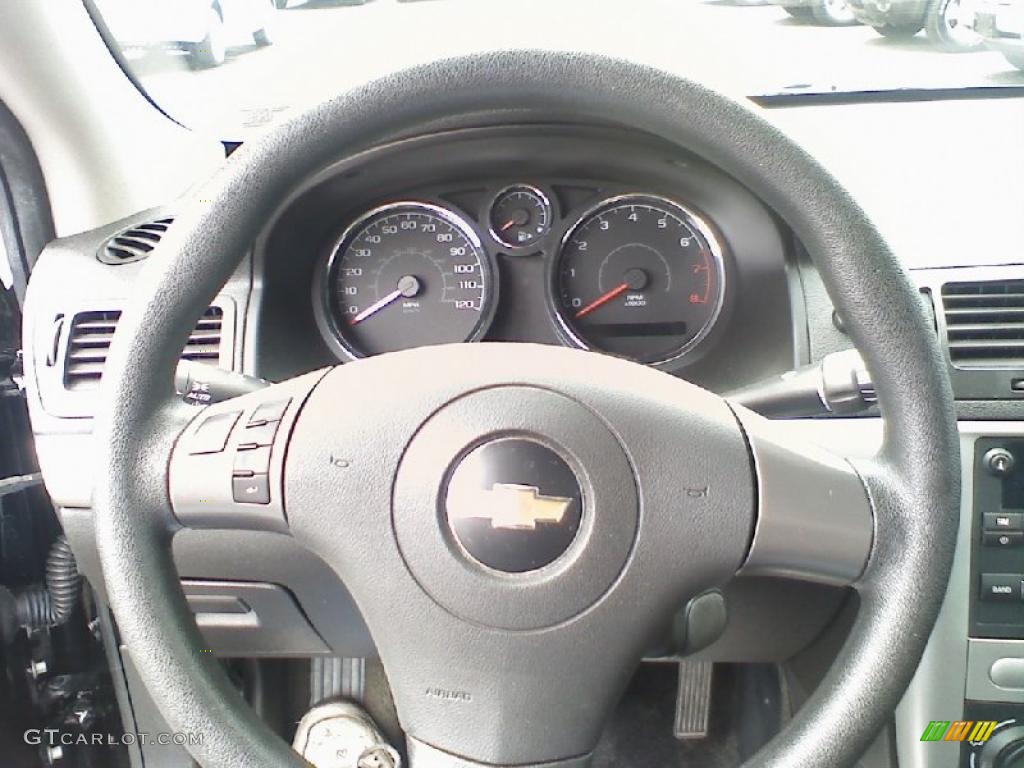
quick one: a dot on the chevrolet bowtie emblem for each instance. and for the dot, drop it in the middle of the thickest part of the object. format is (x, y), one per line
(508, 506)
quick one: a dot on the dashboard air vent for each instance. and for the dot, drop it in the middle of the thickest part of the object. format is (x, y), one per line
(91, 332)
(133, 244)
(985, 323)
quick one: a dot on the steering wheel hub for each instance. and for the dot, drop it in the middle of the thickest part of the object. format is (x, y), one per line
(514, 480)
(513, 504)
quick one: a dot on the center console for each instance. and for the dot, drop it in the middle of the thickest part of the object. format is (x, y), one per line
(997, 547)
(995, 670)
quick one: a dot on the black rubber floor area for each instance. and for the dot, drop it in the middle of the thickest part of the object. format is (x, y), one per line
(744, 714)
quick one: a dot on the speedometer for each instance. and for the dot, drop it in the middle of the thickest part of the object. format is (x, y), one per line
(407, 275)
(640, 277)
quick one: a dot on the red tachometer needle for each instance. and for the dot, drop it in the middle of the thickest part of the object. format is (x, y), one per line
(602, 300)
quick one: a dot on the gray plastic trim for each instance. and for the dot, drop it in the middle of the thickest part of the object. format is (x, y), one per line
(118, 678)
(815, 519)
(938, 687)
(148, 718)
(982, 656)
(253, 619)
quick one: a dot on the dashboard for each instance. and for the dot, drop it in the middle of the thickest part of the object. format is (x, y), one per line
(519, 202)
(547, 233)
(581, 237)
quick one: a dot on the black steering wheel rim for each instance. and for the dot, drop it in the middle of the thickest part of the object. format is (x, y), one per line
(915, 476)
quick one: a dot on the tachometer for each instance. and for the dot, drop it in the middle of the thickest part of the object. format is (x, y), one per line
(641, 277)
(407, 275)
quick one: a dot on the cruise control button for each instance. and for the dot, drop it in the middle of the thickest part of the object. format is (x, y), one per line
(269, 412)
(252, 461)
(251, 490)
(212, 434)
(998, 539)
(1001, 587)
(1004, 521)
(258, 434)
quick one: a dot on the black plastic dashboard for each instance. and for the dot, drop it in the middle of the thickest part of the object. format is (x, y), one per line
(463, 173)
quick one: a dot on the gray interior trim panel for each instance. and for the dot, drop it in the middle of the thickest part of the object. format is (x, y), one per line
(814, 516)
(983, 674)
(938, 688)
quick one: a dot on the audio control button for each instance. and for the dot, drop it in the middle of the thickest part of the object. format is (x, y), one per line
(212, 434)
(1004, 521)
(252, 461)
(1001, 587)
(1005, 539)
(258, 435)
(272, 411)
(254, 489)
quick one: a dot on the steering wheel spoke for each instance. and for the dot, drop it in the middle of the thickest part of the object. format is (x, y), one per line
(227, 467)
(815, 520)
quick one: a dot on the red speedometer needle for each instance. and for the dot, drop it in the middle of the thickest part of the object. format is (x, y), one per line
(602, 300)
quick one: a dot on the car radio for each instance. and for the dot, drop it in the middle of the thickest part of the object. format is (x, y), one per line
(997, 550)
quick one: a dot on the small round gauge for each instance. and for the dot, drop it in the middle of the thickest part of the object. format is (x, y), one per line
(407, 275)
(641, 277)
(520, 216)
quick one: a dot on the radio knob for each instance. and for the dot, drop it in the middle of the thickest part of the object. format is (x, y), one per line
(1004, 750)
(999, 462)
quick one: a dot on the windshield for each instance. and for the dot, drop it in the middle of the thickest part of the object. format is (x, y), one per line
(233, 66)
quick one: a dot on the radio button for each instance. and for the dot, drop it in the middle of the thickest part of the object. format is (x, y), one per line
(1001, 587)
(1004, 521)
(1001, 539)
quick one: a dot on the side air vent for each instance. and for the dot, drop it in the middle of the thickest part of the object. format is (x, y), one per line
(133, 244)
(985, 323)
(89, 342)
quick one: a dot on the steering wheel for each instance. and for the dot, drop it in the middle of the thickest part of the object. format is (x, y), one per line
(656, 489)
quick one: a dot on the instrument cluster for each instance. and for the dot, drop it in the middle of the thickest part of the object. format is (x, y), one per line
(630, 273)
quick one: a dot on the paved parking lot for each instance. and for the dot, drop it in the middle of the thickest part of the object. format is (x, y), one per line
(323, 47)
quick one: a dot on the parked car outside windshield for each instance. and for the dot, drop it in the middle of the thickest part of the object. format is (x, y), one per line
(202, 29)
(744, 47)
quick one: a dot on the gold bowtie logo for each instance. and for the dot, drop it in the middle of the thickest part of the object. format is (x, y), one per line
(508, 506)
